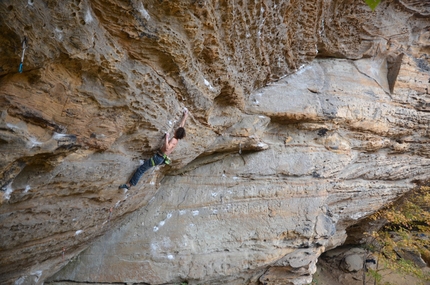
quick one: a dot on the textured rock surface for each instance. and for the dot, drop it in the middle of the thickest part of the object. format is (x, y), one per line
(343, 265)
(267, 178)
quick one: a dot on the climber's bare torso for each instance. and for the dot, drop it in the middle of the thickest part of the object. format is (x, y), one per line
(169, 146)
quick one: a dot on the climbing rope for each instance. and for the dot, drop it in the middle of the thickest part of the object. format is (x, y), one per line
(24, 47)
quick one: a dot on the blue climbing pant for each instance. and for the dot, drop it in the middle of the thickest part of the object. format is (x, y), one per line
(158, 159)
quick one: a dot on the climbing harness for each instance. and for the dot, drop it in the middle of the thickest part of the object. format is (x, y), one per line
(24, 47)
(167, 160)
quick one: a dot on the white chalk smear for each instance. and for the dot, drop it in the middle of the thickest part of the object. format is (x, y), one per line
(34, 142)
(20, 280)
(78, 232)
(88, 17)
(155, 228)
(58, 34)
(27, 188)
(161, 223)
(12, 127)
(58, 136)
(181, 212)
(38, 273)
(211, 88)
(143, 12)
(358, 215)
(170, 256)
(8, 191)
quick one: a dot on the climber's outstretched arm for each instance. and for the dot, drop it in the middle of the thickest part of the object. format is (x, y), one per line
(166, 140)
(184, 117)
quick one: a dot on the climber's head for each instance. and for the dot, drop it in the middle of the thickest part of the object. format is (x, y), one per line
(180, 133)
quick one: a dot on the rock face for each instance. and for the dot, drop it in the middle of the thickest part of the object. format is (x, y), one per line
(306, 116)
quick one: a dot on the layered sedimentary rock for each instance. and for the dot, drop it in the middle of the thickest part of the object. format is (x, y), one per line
(267, 179)
(226, 218)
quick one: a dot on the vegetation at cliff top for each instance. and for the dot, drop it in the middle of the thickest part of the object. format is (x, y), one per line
(372, 3)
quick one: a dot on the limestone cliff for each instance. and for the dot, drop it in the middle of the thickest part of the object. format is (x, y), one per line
(306, 116)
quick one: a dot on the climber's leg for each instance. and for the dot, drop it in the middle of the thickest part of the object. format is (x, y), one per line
(155, 160)
(139, 172)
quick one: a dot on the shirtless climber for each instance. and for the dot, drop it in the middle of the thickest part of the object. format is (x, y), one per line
(161, 156)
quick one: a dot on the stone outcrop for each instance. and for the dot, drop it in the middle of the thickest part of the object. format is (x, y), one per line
(356, 266)
(306, 116)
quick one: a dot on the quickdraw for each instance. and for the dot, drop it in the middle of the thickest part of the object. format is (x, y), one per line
(24, 47)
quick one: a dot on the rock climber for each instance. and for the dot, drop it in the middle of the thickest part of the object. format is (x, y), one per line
(161, 156)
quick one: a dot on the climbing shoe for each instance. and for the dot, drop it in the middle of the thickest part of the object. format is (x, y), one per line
(123, 186)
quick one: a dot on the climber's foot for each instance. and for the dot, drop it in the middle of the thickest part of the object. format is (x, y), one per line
(124, 186)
